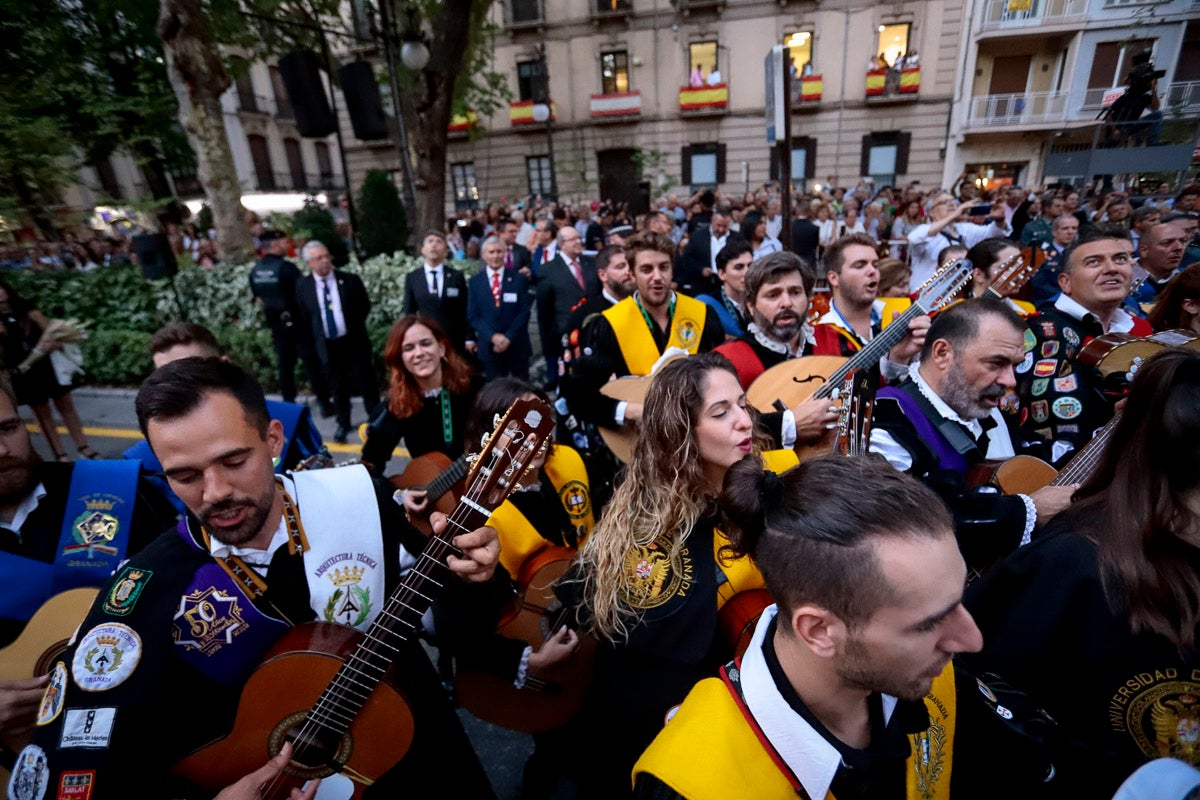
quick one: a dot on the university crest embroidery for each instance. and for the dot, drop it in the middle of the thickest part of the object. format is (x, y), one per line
(350, 602)
(575, 499)
(207, 620)
(652, 579)
(95, 527)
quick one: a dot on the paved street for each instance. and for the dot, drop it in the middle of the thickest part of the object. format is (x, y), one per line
(111, 425)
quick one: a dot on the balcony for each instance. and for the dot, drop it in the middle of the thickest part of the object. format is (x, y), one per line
(254, 103)
(524, 14)
(461, 124)
(1000, 16)
(521, 113)
(616, 106)
(298, 182)
(689, 6)
(1183, 96)
(893, 85)
(611, 10)
(1127, 148)
(806, 92)
(697, 100)
(1030, 109)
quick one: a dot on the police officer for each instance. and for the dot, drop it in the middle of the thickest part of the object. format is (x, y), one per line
(273, 283)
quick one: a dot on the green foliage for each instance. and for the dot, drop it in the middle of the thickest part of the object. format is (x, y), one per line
(204, 219)
(383, 228)
(117, 357)
(117, 298)
(315, 222)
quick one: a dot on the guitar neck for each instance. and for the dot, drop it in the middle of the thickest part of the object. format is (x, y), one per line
(873, 353)
(1084, 463)
(446, 479)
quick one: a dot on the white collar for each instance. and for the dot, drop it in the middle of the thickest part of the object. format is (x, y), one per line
(609, 296)
(1121, 321)
(251, 555)
(806, 336)
(834, 317)
(914, 372)
(491, 272)
(430, 268)
(27, 506)
(811, 758)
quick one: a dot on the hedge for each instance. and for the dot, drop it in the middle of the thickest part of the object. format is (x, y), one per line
(122, 309)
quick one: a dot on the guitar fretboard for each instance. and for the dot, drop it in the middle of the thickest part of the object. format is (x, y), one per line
(446, 479)
(873, 353)
(1081, 467)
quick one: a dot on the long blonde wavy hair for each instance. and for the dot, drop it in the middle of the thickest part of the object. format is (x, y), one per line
(663, 495)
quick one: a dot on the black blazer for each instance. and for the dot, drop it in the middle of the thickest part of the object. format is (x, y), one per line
(696, 258)
(558, 292)
(521, 257)
(512, 316)
(355, 307)
(806, 237)
(450, 310)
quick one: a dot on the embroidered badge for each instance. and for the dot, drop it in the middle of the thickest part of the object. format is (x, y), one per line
(94, 528)
(1063, 430)
(1162, 716)
(52, 698)
(985, 690)
(126, 591)
(575, 499)
(30, 775)
(1039, 386)
(1067, 384)
(1045, 368)
(1049, 349)
(1025, 364)
(1010, 402)
(1048, 331)
(350, 602)
(1064, 369)
(1040, 411)
(651, 579)
(87, 728)
(1067, 407)
(76, 785)
(689, 332)
(1071, 336)
(106, 657)
(1044, 433)
(207, 620)
(1030, 340)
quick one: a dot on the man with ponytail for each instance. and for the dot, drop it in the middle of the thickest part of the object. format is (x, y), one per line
(847, 689)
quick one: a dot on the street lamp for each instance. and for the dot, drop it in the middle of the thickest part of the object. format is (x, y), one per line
(543, 113)
(414, 54)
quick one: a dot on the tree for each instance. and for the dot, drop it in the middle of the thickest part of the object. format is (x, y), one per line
(383, 228)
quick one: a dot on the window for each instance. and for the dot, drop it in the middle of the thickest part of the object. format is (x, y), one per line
(283, 106)
(541, 175)
(108, 179)
(611, 6)
(462, 181)
(532, 82)
(291, 149)
(261, 156)
(703, 165)
(362, 19)
(524, 11)
(1111, 64)
(702, 61)
(245, 92)
(614, 72)
(800, 52)
(804, 160)
(884, 156)
(893, 41)
(324, 164)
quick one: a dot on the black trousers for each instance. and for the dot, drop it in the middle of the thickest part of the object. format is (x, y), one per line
(349, 370)
(292, 342)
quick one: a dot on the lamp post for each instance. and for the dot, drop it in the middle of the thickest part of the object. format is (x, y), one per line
(543, 112)
(415, 56)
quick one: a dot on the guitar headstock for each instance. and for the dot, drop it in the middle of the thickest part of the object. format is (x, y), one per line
(1011, 276)
(944, 286)
(519, 436)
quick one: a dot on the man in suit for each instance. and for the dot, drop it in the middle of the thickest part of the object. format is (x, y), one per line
(439, 291)
(806, 236)
(562, 283)
(337, 305)
(544, 232)
(698, 264)
(498, 304)
(516, 256)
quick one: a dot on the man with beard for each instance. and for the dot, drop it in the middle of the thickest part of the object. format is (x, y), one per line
(777, 288)
(945, 418)
(160, 663)
(856, 313)
(847, 687)
(1063, 402)
(630, 337)
(43, 521)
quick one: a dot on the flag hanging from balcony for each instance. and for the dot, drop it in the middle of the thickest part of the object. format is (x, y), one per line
(1019, 5)
(810, 88)
(910, 80)
(521, 113)
(460, 123)
(876, 80)
(701, 97)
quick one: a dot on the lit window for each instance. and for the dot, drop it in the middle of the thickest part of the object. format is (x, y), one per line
(614, 72)
(800, 51)
(893, 41)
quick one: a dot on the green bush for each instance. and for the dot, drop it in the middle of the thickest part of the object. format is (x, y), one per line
(314, 222)
(115, 298)
(382, 225)
(116, 358)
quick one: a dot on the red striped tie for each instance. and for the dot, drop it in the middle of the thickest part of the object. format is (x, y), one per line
(496, 288)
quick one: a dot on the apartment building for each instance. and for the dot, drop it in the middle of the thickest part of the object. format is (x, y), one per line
(1037, 74)
(638, 108)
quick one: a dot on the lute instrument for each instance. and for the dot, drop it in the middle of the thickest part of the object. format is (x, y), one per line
(329, 689)
(798, 379)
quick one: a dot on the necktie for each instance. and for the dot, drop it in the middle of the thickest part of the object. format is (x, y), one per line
(578, 273)
(433, 283)
(327, 301)
(496, 288)
(508, 259)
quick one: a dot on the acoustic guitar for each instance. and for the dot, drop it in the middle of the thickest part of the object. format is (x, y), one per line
(41, 643)
(630, 389)
(440, 478)
(822, 376)
(551, 698)
(329, 689)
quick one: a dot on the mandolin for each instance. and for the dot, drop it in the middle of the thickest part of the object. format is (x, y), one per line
(820, 376)
(329, 689)
(440, 478)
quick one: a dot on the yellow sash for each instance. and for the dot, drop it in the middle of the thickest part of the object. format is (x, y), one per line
(519, 540)
(637, 343)
(741, 574)
(708, 751)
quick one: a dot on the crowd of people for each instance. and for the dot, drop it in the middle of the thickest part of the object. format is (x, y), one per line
(748, 600)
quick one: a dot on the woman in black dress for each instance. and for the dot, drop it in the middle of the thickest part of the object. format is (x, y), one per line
(22, 335)
(430, 393)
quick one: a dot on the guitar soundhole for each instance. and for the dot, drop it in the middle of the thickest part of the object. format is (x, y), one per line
(317, 754)
(53, 653)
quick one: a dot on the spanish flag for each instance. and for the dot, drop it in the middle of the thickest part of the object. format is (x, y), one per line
(521, 113)
(910, 81)
(810, 88)
(701, 97)
(875, 82)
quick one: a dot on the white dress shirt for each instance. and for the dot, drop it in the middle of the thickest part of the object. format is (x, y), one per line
(329, 282)
(430, 271)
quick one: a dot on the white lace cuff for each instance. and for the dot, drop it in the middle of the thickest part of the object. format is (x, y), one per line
(1030, 519)
(523, 669)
